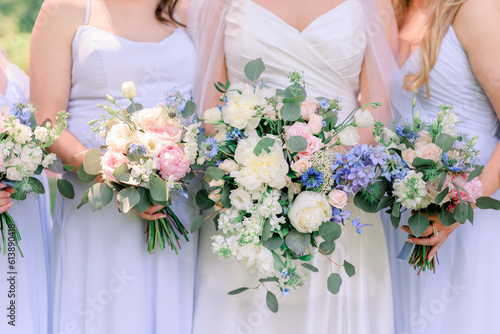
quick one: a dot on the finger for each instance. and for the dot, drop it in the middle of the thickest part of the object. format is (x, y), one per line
(5, 207)
(154, 208)
(428, 231)
(431, 241)
(155, 216)
(4, 194)
(2, 185)
(435, 249)
(4, 201)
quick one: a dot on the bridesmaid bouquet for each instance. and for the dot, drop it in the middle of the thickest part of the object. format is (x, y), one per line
(270, 171)
(149, 153)
(23, 155)
(429, 168)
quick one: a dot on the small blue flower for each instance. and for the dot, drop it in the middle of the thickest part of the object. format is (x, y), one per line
(22, 113)
(356, 223)
(209, 148)
(286, 291)
(284, 273)
(137, 149)
(340, 215)
(406, 131)
(324, 104)
(312, 179)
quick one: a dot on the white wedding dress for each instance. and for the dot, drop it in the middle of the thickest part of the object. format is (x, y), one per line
(33, 219)
(330, 52)
(105, 281)
(463, 295)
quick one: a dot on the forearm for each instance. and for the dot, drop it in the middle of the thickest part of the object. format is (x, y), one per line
(490, 177)
(69, 149)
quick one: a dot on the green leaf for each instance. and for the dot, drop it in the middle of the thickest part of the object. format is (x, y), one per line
(120, 170)
(333, 283)
(134, 107)
(419, 162)
(266, 231)
(57, 166)
(189, 109)
(294, 91)
(331, 122)
(127, 178)
(226, 192)
(446, 218)
(215, 173)
(254, 69)
(237, 291)
(37, 186)
(440, 197)
(196, 223)
(327, 247)
(272, 302)
(363, 203)
(278, 262)
(442, 178)
(85, 199)
(263, 144)
(298, 99)
(290, 111)
(269, 279)
(306, 258)
(65, 188)
(100, 195)
(407, 143)
(32, 122)
(158, 189)
(418, 223)
(475, 173)
(92, 162)
(445, 142)
(297, 242)
(128, 198)
(272, 243)
(349, 269)
(471, 213)
(395, 221)
(488, 203)
(297, 144)
(330, 231)
(432, 209)
(67, 168)
(144, 201)
(84, 176)
(385, 202)
(202, 200)
(310, 267)
(461, 212)
(396, 210)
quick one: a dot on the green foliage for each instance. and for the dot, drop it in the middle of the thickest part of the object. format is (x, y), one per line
(488, 203)
(65, 188)
(215, 173)
(330, 231)
(310, 267)
(333, 283)
(254, 69)
(349, 269)
(237, 291)
(297, 144)
(196, 223)
(297, 242)
(263, 144)
(272, 302)
(128, 198)
(418, 223)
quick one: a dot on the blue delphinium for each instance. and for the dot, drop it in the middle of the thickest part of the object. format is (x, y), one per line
(137, 149)
(406, 131)
(312, 179)
(340, 215)
(22, 113)
(356, 223)
(209, 148)
(394, 168)
(454, 166)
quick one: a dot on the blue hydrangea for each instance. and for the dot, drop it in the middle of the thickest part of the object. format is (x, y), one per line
(312, 179)
(137, 149)
(209, 148)
(22, 113)
(394, 168)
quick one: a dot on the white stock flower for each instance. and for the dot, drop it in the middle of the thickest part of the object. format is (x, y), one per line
(129, 90)
(411, 191)
(258, 259)
(309, 211)
(42, 134)
(349, 136)
(49, 160)
(363, 119)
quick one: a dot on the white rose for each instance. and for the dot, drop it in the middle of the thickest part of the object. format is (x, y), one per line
(309, 211)
(119, 137)
(228, 166)
(221, 134)
(363, 119)
(430, 152)
(213, 116)
(129, 90)
(240, 199)
(349, 136)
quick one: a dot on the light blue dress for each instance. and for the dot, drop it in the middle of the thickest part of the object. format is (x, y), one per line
(463, 295)
(105, 281)
(31, 295)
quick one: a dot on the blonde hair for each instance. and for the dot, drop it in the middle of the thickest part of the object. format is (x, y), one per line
(441, 16)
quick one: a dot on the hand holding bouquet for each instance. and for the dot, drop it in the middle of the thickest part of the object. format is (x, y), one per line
(149, 153)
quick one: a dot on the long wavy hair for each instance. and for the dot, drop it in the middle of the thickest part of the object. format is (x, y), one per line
(167, 7)
(441, 16)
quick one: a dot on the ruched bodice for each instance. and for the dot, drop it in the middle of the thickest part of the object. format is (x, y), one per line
(453, 82)
(329, 51)
(102, 61)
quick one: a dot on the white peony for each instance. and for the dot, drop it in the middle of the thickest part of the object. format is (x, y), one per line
(258, 259)
(309, 211)
(363, 119)
(213, 116)
(119, 137)
(129, 90)
(145, 118)
(349, 136)
(240, 199)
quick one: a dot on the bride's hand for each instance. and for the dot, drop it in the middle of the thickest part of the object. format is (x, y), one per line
(152, 213)
(428, 239)
(5, 202)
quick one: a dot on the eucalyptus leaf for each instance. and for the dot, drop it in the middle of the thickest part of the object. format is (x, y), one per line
(446, 218)
(310, 267)
(272, 243)
(330, 231)
(196, 223)
(488, 203)
(254, 69)
(65, 188)
(266, 231)
(144, 202)
(326, 247)
(461, 212)
(384, 203)
(297, 242)
(85, 199)
(333, 283)
(100, 195)
(272, 302)
(418, 223)
(419, 162)
(269, 279)
(189, 109)
(440, 197)
(120, 170)
(263, 144)
(396, 210)
(158, 189)
(278, 262)
(226, 192)
(297, 144)
(290, 112)
(349, 269)
(442, 179)
(395, 221)
(92, 162)
(294, 91)
(128, 198)
(215, 173)
(237, 291)
(202, 200)
(471, 213)
(475, 173)
(445, 142)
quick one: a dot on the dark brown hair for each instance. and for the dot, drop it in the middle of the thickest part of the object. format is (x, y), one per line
(167, 6)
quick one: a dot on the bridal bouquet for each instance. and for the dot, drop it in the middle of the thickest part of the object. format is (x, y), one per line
(429, 168)
(23, 155)
(270, 171)
(149, 153)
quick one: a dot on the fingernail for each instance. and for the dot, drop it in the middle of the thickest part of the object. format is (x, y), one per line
(431, 257)
(163, 216)
(410, 241)
(10, 204)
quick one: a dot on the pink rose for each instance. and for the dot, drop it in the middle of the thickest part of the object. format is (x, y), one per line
(167, 134)
(296, 188)
(424, 138)
(408, 156)
(474, 188)
(300, 166)
(429, 152)
(337, 198)
(313, 143)
(315, 123)
(110, 161)
(308, 108)
(173, 162)
(432, 189)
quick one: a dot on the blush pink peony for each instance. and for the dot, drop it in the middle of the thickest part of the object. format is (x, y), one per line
(110, 161)
(173, 162)
(313, 143)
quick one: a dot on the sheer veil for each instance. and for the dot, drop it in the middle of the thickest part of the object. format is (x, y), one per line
(206, 25)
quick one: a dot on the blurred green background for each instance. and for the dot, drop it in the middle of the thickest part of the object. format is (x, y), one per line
(17, 18)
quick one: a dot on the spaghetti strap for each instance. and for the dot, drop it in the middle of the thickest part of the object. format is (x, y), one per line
(87, 13)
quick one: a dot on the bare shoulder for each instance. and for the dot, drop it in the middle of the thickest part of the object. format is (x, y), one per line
(477, 21)
(181, 9)
(61, 16)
